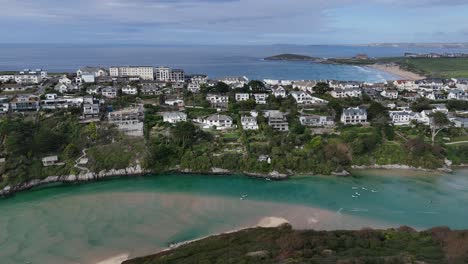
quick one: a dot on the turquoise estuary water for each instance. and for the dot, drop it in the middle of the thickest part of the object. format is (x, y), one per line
(88, 223)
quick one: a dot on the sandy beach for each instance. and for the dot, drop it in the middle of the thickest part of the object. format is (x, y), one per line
(397, 71)
(115, 260)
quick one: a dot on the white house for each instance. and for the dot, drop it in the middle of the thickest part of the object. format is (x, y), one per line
(354, 116)
(130, 90)
(93, 90)
(6, 78)
(316, 121)
(307, 99)
(242, 97)
(94, 71)
(193, 87)
(390, 94)
(235, 81)
(66, 88)
(28, 79)
(174, 102)
(457, 94)
(109, 92)
(90, 110)
(174, 117)
(305, 86)
(260, 98)
(346, 92)
(279, 91)
(219, 121)
(249, 123)
(65, 80)
(402, 118)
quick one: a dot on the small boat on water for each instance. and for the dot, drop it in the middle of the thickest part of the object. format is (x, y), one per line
(354, 196)
(374, 191)
(358, 194)
(365, 189)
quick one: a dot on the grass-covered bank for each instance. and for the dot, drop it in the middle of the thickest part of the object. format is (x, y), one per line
(284, 245)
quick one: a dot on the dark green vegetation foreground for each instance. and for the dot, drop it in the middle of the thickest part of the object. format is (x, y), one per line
(284, 245)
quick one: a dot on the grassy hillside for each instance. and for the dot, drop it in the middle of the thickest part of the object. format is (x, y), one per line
(284, 245)
(434, 67)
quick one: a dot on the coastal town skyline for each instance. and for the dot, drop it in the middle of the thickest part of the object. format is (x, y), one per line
(234, 22)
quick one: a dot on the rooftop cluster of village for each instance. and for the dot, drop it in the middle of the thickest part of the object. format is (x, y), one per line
(91, 88)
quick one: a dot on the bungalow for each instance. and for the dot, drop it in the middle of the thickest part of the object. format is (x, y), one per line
(390, 94)
(316, 121)
(249, 123)
(219, 121)
(174, 117)
(278, 91)
(346, 92)
(353, 116)
(240, 97)
(50, 161)
(109, 92)
(260, 98)
(307, 99)
(277, 120)
(130, 90)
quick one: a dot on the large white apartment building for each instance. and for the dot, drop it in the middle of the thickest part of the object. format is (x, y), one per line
(163, 74)
(144, 72)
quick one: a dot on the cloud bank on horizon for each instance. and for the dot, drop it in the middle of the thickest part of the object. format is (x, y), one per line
(233, 21)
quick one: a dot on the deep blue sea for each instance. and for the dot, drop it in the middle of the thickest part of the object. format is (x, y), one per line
(216, 61)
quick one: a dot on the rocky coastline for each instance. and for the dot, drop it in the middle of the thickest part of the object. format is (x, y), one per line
(399, 167)
(73, 178)
(139, 171)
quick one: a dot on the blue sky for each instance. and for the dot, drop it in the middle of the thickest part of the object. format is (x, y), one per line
(233, 21)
